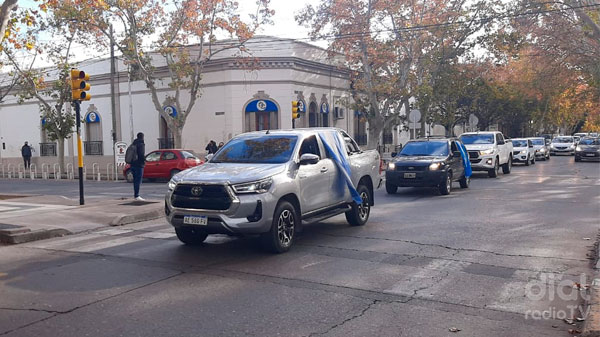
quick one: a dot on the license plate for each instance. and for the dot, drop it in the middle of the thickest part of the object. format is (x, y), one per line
(410, 175)
(590, 154)
(195, 220)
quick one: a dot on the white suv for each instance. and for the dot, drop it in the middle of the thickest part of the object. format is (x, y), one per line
(523, 151)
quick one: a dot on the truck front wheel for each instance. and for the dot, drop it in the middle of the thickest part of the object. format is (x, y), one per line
(493, 172)
(190, 236)
(506, 168)
(359, 214)
(283, 229)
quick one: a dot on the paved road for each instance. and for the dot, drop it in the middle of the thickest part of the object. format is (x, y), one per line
(484, 260)
(92, 189)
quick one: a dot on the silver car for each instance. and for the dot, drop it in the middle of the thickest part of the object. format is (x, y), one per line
(563, 145)
(541, 149)
(271, 183)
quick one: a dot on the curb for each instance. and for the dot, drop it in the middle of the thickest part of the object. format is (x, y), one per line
(592, 322)
(25, 235)
(139, 217)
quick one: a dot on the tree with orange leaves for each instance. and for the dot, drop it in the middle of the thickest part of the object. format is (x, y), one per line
(173, 37)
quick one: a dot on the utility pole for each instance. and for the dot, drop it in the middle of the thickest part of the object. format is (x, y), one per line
(113, 101)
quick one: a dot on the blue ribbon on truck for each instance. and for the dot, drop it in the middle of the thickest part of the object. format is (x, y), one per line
(335, 146)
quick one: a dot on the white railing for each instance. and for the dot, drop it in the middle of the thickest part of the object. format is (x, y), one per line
(32, 171)
(70, 174)
(21, 171)
(10, 173)
(96, 172)
(110, 169)
(45, 171)
(57, 174)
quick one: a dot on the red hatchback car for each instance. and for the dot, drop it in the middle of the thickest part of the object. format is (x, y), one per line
(164, 164)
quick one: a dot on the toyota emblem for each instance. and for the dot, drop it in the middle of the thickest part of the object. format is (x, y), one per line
(196, 191)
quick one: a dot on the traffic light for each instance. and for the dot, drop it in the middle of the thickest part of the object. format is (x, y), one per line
(295, 113)
(79, 86)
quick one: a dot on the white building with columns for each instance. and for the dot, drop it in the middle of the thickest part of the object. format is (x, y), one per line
(234, 100)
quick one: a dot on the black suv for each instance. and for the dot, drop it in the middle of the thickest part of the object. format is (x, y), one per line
(430, 162)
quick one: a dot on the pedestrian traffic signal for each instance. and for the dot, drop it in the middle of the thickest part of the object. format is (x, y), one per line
(295, 113)
(79, 85)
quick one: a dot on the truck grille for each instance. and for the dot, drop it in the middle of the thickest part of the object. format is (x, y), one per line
(473, 154)
(212, 197)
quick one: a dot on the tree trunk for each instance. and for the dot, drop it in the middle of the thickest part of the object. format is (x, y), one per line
(177, 132)
(61, 155)
(5, 9)
(375, 131)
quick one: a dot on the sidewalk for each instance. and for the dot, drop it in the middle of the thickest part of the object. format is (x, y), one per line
(30, 218)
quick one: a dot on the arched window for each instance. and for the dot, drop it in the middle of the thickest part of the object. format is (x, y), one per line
(313, 117)
(261, 113)
(93, 134)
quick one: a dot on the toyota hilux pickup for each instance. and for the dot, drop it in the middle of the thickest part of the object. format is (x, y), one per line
(271, 183)
(488, 151)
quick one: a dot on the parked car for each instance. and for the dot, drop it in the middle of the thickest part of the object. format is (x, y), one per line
(427, 163)
(271, 183)
(523, 151)
(488, 151)
(563, 144)
(164, 164)
(588, 149)
(541, 149)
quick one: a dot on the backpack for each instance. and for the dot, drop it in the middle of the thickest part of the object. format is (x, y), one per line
(131, 154)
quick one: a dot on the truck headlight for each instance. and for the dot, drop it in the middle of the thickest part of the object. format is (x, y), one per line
(171, 185)
(435, 166)
(391, 166)
(261, 186)
(486, 152)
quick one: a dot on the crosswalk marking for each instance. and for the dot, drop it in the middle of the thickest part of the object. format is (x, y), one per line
(106, 244)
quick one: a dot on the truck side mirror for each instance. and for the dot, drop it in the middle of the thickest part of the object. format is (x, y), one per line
(309, 159)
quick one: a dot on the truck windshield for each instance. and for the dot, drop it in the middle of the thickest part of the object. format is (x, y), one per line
(477, 139)
(519, 143)
(257, 150)
(427, 148)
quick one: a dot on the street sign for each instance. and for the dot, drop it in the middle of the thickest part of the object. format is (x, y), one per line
(414, 116)
(120, 149)
(473, 120)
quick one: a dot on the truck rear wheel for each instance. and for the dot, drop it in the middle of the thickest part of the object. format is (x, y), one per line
(190, 236)
(359, 214)
(283, 229)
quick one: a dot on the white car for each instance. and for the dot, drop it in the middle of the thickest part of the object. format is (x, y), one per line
(563, 144)
(523, 151)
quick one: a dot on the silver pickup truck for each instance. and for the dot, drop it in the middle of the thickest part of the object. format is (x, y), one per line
(271, 183)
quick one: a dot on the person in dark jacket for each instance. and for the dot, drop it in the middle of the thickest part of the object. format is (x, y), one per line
(137, 166)
(211, 148)
(26, 153)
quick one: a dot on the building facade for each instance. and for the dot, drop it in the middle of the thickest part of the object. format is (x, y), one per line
(234, 99)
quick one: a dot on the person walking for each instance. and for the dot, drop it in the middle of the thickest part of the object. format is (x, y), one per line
(137, 166)
(26, 153)
(220, 145)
